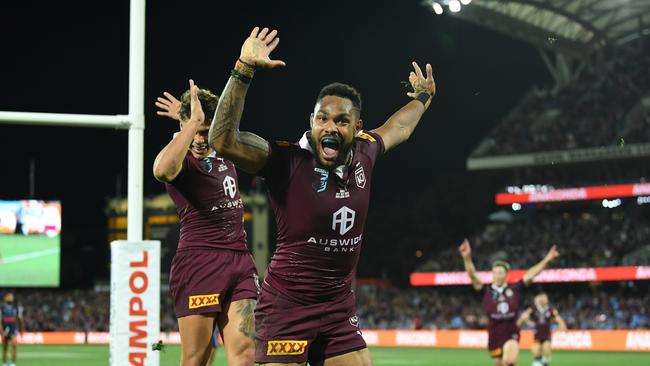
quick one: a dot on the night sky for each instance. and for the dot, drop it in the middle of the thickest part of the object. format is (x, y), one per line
(67, 58)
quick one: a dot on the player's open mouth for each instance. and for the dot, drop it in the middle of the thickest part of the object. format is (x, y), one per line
(199, 148)
(330, 147)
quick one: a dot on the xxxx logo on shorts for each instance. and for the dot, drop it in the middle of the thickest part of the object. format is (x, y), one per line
(199, 301)
(281, 348)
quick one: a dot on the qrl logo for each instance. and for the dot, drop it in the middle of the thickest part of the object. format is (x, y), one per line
(503, 308)
(229, 186)
(344, 219)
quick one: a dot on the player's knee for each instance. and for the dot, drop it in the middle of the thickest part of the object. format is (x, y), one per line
(194, 357)
(242, 353)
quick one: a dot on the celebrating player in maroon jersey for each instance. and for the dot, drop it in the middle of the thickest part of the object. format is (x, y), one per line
(213, 277)
(540, 318)
(501, 303)
(319, 189)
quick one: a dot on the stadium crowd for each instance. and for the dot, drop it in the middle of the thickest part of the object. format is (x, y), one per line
(460, 307)
(587, 238)
(378, 308)
(590, 112)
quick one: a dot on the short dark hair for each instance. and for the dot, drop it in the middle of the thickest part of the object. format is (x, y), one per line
(208, 101)
(343, 91)
(503, 264)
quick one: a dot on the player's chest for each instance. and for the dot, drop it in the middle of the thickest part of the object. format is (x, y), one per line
(497, 298)
(213, 178)
(328, 189)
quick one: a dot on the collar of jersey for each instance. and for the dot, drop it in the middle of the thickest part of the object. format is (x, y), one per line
(499, 289)
(305, 145)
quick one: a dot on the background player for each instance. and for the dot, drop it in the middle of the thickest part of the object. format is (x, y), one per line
(540, 318)
(11, 321)
(501, 303)
(213, 277)
(320, 191)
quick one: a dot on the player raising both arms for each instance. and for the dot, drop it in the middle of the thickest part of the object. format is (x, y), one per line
(11, 321)
(501, 303)
(540, 318)
(213, 277)
(319, 189)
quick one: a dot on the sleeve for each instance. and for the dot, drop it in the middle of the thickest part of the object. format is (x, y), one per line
(184, 168)
(279, 167)
(374, 145)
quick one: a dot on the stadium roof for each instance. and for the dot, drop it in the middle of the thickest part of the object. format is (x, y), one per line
(571, 27)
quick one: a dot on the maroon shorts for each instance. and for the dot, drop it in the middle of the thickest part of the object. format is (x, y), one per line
(542, 335)
(202, 280)
(498, 334)
(287, 332)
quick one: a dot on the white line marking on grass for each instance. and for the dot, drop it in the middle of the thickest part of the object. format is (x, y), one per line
(50, 354)
(396, 361)
(27, 256)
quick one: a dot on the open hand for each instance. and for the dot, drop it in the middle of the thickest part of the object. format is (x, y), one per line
(419, 83)
(257, 48)
(169, 105)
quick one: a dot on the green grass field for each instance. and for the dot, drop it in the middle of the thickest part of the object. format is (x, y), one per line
(91, 355)
(31, 261)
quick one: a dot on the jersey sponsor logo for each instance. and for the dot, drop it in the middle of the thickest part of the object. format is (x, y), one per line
(337, 245)
(496, 353)
(360, 177)
(354, 321)
(319, 182)
(228, 205)
(199, 301)
(503, 307)
(286, 347)
(343, 193)
(208, 164)
(343, 219)
(230, 186)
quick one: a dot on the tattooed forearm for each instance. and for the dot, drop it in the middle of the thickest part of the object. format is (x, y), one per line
(252, 140)
(225, 124)
(247, 324)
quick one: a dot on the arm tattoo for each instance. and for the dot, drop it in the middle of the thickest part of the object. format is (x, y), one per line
(253, 140)
(225, 124)
(245, 311)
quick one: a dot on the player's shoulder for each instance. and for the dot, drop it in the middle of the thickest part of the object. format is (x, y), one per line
(288, 148)
(367, 137)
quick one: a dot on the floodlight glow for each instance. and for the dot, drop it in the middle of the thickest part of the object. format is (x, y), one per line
(437, 8)
(454, 6)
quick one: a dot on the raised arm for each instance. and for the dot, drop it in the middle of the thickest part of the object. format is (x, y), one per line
(169, 162)
(558, 319)
(539, 267)
(247, 150)
(466, 252)
(524, 318)
(399, 127)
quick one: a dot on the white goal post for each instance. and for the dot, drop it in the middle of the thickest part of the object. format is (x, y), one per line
(135, 317)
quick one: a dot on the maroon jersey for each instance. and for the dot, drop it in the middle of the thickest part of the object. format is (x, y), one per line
(542, 318)
(208, 203)
(502, 304)
(320, 215)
